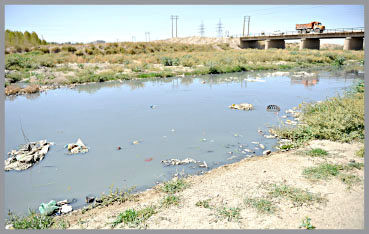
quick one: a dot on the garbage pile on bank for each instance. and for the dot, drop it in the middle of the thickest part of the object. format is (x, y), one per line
(27, 155)
(78, 147)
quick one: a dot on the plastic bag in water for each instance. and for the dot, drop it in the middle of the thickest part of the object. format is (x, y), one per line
(49, 208)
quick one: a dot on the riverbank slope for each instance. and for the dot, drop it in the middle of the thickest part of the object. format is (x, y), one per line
(256, 193)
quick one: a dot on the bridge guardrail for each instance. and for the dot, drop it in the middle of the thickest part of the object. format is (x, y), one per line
(357, 29)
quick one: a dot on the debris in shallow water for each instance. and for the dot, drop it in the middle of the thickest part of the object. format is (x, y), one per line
(148, 159)
(184, 161)
(48, 208)
(267, 152)
(203, 164)
(63, 202)
(232, 157)
(270, 136)
(27, 155)
(178, 162)
(242, 106)
(89, 199)
(66, 209)
(135, 142)
(119, 148)
(78, 147)
(261, 146)
(273, 108)
(255, 142)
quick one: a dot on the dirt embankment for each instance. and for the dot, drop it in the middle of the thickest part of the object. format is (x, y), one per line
(276, 180)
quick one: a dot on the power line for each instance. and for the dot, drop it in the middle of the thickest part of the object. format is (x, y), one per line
(219, 28)
(202, 29)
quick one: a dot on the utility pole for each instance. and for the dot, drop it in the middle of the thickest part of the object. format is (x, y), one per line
(202, 29)
(248, 25)
(147, 36)
(176, 25)
(172, 17)
(219, 29)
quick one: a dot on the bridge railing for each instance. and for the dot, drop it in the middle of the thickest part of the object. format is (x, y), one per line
(336, 30)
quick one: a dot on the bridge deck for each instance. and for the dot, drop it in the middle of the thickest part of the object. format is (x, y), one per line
(328, 34)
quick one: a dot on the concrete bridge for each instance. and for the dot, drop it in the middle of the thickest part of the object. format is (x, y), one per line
(354, 39)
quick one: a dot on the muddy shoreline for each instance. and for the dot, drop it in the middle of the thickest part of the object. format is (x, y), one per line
(228, 185)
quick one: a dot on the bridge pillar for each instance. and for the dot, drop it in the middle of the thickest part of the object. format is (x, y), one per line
(250, 44)
(353, 43)
(278, 43)
(310, 43)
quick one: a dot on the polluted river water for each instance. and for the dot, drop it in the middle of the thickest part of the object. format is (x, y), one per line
(150, 120)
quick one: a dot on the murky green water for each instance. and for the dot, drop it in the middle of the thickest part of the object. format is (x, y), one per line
(191, 119)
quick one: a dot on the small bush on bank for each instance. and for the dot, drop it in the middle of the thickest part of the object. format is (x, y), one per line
(32, 221)
(336, 119)
(18, 62)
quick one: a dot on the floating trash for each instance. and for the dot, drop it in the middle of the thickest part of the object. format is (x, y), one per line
(273, 108)
(77, 147)
(148, 159)
(242, 106)
(183, 162)
(27, 155)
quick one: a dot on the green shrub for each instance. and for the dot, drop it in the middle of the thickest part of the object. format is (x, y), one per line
(18, 62)
(55, 50)
(70, 49)
(44, 50)
(17, 76)
(336, 119)
(167, 61)
(79, 53)
(32, 221)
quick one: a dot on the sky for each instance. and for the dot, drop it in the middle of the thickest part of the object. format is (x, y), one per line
(111, 23)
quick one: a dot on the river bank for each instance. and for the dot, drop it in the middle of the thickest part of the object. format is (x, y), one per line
(281, 196)
(38, 70)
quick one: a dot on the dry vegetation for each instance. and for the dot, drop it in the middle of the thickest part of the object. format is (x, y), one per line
(68, 64)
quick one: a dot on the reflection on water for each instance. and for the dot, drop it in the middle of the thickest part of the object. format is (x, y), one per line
(191, 119)
(305, 82)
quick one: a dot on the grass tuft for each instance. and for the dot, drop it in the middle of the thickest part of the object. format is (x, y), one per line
(170, 200)
(174, 186)
(261, 205)
(230, 214)
(298, 196)
(317, 152)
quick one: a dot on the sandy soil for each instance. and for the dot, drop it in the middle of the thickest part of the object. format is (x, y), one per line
(233, 42)
(229, 185)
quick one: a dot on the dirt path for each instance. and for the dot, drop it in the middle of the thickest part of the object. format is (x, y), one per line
(228, 186)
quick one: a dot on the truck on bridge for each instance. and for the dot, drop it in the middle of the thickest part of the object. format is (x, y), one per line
(310, 27)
